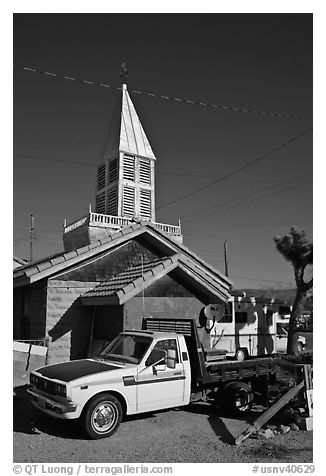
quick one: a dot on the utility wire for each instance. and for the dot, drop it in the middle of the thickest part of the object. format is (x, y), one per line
(248, 201)
(249, 164)
(245, 196)
(39, 157)
(259, 279)
(181, 174)
(168, 98)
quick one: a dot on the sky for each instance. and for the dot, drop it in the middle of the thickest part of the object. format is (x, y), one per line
(260, 62)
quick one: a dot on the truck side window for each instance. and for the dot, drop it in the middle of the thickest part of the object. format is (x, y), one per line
(166, 345)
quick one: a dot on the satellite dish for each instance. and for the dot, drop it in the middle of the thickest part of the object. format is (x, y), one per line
(214, 312)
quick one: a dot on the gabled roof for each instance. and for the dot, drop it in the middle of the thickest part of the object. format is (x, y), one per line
(126, 133)
(190, 263)
(18, 261)
(127, 284)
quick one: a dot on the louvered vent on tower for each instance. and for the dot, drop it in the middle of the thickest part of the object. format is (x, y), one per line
(100, 203)
(128, 201)
(113, 170)
(145, 171)
(145, 204)
(112, 205)
(129, 168)
(101, 176)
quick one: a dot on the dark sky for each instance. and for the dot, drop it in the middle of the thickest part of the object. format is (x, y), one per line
(254, 61)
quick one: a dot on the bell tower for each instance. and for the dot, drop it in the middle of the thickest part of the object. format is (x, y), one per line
(125, 184)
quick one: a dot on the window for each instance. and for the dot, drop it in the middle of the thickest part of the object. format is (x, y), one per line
(100, 203)
(284, 310)
(127, 348)
(281, 329)
(100, 176)
(113, 170)
(165, 345)
(241, 317)
(129, 168)
(128, 201)
(145, 171)
(145, 204)
(168, 344)
(227, 313)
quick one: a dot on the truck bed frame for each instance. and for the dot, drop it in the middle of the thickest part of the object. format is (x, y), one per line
(208, 374)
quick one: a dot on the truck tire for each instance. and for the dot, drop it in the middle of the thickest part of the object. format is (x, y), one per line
(101, 416)
(237, 398)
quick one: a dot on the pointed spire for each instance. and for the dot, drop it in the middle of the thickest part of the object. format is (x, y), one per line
(126, 133)
(133, 139)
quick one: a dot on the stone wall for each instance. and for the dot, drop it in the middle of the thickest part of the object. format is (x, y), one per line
(68, 323)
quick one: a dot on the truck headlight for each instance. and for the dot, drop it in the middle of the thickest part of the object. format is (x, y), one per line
(60, 390)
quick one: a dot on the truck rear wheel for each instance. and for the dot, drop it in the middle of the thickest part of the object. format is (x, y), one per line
(102, 416)
(237, 398)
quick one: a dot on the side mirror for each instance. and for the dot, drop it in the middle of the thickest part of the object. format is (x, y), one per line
(171, 358)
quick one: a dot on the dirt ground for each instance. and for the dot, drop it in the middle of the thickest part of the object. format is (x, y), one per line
(198, 433)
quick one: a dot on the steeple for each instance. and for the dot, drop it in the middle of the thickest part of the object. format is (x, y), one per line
(125, 183)
(125, 175)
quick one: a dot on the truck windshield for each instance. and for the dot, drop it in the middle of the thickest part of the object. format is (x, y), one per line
(127, 348)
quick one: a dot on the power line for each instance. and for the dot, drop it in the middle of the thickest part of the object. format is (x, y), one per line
(249, 164)
(39, 157)
(259, 279)
(245, 196)
(45, 216)
(168, 98)
(193, 175)
(248, 201)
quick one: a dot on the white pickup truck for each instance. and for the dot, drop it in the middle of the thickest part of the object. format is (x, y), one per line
(160, 367)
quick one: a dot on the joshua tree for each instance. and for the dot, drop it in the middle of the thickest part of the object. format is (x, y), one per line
(298, 250)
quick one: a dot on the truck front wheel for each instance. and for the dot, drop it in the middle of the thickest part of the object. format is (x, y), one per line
(102, 416)
(237, 398)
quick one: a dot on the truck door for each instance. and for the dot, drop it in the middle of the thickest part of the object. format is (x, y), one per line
(158, 386)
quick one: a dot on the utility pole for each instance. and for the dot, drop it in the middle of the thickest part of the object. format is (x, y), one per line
(31, 238)
(226, 259)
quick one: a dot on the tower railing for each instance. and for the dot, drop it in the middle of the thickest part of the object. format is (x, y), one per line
(116, 222)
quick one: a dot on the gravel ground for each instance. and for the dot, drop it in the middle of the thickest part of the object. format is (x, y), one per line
(198, 433)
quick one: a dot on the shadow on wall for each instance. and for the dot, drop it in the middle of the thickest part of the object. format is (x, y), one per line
(78, 321)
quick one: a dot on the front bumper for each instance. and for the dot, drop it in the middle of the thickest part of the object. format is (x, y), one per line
(54, 407)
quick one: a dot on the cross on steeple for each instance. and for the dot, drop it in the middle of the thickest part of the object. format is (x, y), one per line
(124, 74)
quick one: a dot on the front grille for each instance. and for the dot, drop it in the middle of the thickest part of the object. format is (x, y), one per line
(44, 385)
